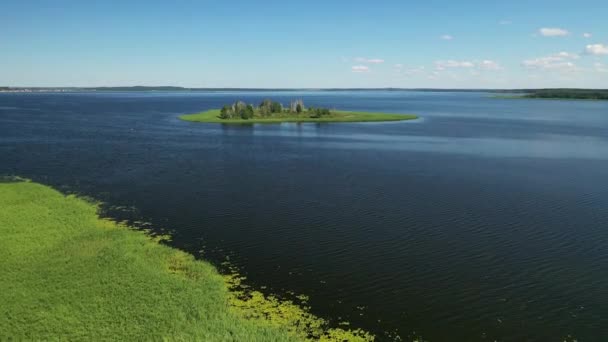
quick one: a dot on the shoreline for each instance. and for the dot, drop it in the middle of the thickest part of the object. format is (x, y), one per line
(84, 277)
(516, 97)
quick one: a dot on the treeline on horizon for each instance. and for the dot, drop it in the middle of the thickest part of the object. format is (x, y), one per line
(584, 94)
(573, 93)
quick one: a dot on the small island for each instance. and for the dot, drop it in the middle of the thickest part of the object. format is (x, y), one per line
(274, 112)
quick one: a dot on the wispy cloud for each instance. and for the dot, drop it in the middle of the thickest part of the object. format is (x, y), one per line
(587, 35)
(442, 65)
(596, 49)
(369, 60)
(489, 65)
(599, 67)
(505, 22)
(559, 61)
(539, 63)
(566, 55)
(360, 68)
(414, 71)
(409, 71)
(434, 75)
(483, 65)
(447, 37)
(553, 32)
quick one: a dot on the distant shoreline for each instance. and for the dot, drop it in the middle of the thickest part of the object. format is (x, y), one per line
(185, 89)
(562, 94)
(522, 97)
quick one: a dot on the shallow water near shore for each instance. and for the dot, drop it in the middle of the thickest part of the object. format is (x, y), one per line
(484, 220)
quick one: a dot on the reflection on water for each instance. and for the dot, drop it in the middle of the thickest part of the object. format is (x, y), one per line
(483, 220)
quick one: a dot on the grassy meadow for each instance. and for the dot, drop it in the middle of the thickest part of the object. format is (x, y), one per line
(69, 275)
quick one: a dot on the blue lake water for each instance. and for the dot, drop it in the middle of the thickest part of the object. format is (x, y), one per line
(486, 219)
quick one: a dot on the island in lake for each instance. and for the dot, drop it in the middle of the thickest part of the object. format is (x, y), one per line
(274, 112)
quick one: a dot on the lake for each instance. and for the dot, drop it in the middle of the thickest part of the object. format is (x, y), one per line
(486, 219)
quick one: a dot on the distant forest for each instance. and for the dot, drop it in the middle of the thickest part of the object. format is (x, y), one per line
(557, 93)
(585, 94)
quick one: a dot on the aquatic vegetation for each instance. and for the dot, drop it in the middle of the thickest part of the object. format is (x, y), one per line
(285, 313)
(66, 273)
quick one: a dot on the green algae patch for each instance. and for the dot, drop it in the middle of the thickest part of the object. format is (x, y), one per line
(69, 275)
(213, 116)
(285, 313)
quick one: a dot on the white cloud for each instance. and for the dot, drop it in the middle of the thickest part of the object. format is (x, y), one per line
(486, 65)
(587, 35)
(505, 22)
(553, 32)
(566, 55)
(409, 71)
(559, 61)
(360, 68)
(442, 65)
(369, 60)
(414, 71)
(599, 67)
(559, 66)
(434, 75)
(596, 49)
(489, 65)
(447, 37)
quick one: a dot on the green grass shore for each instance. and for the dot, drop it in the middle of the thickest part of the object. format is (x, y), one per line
(212, 116)
(68, 274)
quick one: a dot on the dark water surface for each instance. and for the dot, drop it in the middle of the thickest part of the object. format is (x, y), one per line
(485, 220)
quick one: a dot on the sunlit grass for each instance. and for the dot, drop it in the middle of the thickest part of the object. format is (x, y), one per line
(336, 116)
(69, 275)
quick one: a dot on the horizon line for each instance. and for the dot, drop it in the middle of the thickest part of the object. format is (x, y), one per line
(152, 88)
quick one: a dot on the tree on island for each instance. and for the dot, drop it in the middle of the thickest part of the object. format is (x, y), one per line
(269, 108)
(318, 112)
(238, 110)
(294, 105)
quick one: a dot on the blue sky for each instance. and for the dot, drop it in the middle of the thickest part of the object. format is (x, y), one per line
(441, 44)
